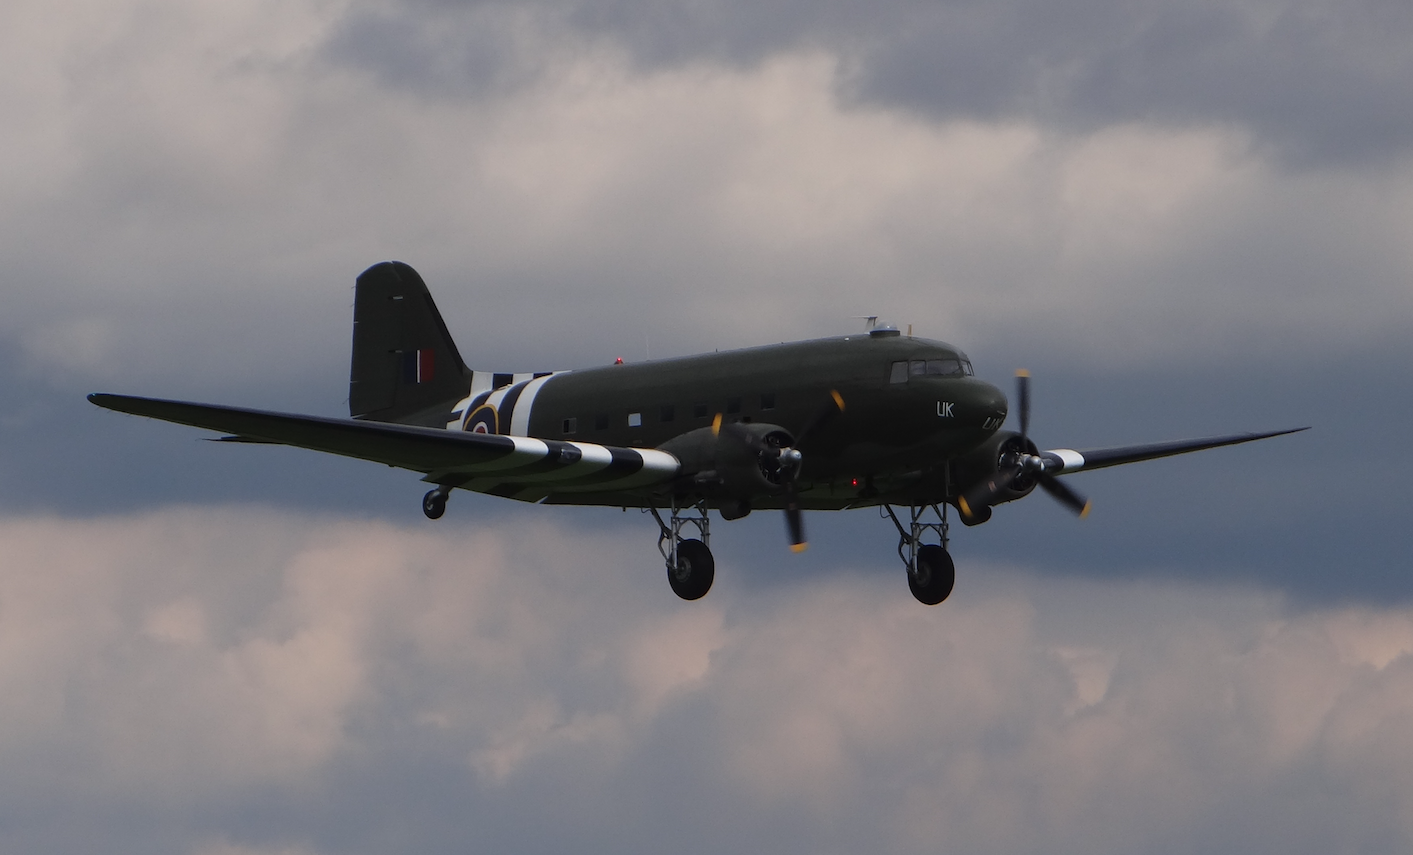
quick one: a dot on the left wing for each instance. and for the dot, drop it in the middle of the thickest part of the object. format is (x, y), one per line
(517, 466)
(1062, 460)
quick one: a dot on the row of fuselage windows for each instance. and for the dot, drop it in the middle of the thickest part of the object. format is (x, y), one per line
(668, 413)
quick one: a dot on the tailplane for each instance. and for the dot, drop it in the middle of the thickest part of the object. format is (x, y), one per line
(406, 368)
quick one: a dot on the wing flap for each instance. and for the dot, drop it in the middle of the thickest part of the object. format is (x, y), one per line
(454, 458)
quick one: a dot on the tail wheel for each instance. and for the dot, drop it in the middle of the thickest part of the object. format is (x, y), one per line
(434, 504)
(932, 575)
(695, 570)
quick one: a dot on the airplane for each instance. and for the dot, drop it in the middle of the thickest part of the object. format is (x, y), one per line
(878, 419)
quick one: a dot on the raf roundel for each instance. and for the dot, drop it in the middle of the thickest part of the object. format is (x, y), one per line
(482, 420)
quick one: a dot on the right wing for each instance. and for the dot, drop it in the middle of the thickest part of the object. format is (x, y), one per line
(515, 466)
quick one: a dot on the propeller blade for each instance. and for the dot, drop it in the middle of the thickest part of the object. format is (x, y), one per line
(984, 495)
(831, 408)
(1023, 402)
(1064, 495)
(794, 520)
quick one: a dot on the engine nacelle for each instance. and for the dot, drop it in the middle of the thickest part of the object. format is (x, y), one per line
(985, 462)
(746, 469)
(727, 465)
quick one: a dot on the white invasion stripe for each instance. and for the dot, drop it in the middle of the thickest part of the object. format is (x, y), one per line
(520, 419)
(481, 382)
(594, 454)
(657, 466)
(459, 414)
(520, 378)
(595, 457)
(496, 397)
(659, 462)
(1071, 459)
(527, 452)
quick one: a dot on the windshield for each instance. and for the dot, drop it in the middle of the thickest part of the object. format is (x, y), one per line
(949, 366)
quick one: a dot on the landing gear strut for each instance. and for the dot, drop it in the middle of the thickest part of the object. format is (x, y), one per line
(690, 567)
(434, 503)
(931, 572)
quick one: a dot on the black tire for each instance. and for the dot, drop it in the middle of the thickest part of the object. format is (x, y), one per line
(932, 580)
(434, 505)
(695, 570)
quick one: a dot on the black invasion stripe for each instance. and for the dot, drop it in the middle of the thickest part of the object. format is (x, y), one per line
(499, 380)
(507, 405)
(625, 462)
(560, 456)
(539, 374)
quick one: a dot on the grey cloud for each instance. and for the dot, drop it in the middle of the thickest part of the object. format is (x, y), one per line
(234, 679)
(1316, 82)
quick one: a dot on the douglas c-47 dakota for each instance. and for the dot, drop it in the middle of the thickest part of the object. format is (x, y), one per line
(872, 420)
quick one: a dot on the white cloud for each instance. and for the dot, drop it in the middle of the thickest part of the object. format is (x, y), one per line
(193, 658)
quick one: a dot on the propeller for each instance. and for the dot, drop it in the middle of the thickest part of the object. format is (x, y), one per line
(1019, 465)
(788, 459)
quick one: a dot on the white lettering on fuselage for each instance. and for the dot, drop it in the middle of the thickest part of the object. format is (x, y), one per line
(944, 409)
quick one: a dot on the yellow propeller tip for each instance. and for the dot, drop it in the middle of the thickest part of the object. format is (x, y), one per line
(716, 425)
(838, 399)
(1084, 513)
(1022, 373)
(963, 506)
(799, 547)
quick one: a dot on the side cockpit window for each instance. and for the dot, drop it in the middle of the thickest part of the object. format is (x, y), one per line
(899, 373)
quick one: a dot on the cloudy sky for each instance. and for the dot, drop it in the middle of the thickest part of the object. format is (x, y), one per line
(1185, 217)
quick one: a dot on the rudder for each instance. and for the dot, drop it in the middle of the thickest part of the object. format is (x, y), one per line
(405, 367)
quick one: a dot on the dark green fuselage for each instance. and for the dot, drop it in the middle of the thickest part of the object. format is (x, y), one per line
(894, 434)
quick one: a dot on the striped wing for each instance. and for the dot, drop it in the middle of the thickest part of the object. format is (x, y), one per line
(515, 466)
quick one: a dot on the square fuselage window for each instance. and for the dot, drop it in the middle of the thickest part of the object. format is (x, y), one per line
(635, 420)
(571, 425)
(699, 411)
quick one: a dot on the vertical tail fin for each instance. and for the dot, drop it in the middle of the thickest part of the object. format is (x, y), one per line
(405, 366)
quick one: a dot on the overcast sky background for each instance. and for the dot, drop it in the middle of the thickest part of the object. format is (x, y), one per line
(1184, 218)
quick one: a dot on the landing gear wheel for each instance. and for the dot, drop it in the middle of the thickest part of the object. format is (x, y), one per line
(434, 504)
(695, 570)
(932, 578)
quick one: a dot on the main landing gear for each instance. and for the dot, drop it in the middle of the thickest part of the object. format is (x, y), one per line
(931, 572)
(690, 567)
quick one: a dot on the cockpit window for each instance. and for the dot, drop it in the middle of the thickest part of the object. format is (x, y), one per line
(951, 366)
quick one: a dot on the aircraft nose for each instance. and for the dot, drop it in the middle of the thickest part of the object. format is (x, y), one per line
(991, 405)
